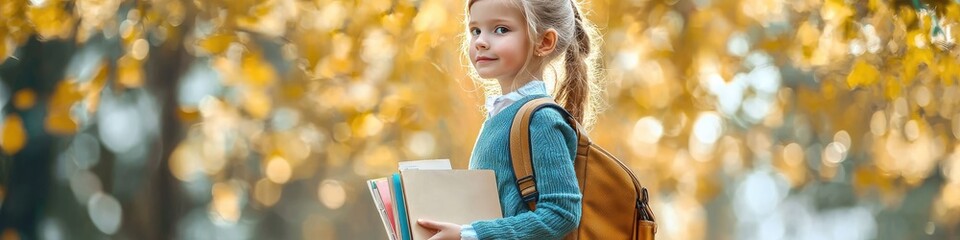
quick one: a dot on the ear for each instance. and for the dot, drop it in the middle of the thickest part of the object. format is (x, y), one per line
(547, 43)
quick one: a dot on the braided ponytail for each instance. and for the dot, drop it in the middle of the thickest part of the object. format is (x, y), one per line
(574, 91)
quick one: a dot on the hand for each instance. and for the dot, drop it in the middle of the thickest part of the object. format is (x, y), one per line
(444, 230)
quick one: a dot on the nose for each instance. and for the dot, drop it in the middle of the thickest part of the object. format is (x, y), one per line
(481, 44)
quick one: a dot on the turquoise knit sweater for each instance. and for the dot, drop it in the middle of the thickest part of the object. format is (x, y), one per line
(553, 144)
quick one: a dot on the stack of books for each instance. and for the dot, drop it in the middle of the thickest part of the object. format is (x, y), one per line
(432, 190)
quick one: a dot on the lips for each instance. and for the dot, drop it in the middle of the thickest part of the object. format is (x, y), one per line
(482, 59)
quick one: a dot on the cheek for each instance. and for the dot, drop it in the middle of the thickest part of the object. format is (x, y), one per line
(514, 51)
(472, 54)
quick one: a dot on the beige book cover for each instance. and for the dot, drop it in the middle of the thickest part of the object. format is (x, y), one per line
(455, 196)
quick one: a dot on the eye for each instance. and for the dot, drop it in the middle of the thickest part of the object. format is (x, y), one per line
(475, 31)
(501, 30)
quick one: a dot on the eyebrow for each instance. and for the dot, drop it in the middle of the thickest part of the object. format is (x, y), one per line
(495, 20)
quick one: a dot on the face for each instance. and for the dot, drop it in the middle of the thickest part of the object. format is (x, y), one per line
(499, 43)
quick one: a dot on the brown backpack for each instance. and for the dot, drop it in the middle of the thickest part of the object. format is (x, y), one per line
(615, 205)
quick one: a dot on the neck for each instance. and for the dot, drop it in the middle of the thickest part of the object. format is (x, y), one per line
(510, 84)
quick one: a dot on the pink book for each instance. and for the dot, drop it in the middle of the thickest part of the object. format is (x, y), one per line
(384, 188)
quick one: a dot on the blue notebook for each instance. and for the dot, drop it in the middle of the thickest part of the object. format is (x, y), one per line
(401, 207)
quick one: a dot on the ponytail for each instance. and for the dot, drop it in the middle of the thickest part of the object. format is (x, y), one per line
(574, 91)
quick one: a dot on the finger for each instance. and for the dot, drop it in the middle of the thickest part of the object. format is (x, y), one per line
(428, 224)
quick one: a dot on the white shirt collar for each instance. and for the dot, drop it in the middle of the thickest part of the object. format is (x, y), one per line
(495, 104)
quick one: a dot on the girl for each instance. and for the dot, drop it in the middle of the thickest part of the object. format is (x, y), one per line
(513, 41)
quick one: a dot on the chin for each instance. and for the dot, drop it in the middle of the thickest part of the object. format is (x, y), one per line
(485, 75)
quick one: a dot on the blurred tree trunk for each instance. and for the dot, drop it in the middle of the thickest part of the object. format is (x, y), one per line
(162, 202)
(27, 174)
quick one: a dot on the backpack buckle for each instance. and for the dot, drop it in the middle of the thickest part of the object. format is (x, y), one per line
(532, 197)
(528, 187)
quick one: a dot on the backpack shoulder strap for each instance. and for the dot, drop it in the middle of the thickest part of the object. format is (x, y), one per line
(520, 151)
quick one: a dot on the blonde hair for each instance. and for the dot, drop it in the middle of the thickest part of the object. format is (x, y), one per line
(577, 42)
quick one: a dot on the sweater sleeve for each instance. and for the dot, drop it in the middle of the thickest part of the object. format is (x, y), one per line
(558, 207)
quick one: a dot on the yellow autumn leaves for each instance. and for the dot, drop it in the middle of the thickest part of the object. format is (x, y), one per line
(918, 47)
(863, 74)
(245, 69)
(14, 134)
(50, 20)
(898, 73)
(58, 120)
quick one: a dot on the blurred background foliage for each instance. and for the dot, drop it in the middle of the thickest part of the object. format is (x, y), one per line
(237, 119)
